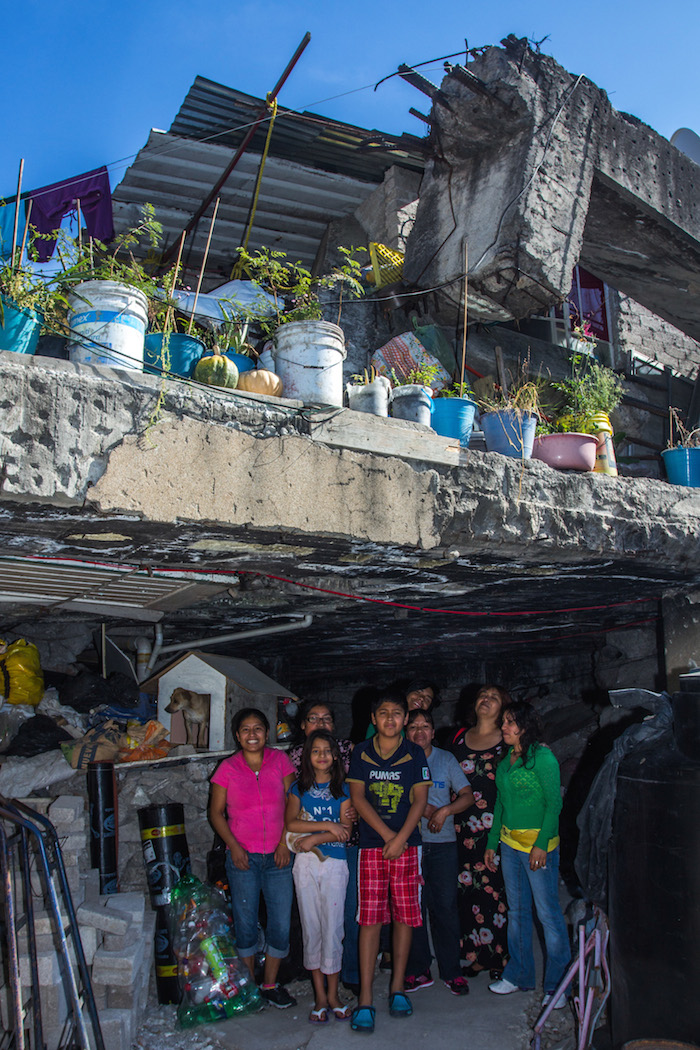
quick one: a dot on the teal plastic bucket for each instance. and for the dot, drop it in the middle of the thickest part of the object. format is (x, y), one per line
(453, 417)
(242, 362)
(185, 352)
(510, 433)
(682, 466)
(20, 329)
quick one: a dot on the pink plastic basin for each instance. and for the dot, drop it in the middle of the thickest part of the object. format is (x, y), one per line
(566, 451)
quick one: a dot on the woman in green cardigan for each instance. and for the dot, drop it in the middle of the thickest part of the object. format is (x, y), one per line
(526, 825)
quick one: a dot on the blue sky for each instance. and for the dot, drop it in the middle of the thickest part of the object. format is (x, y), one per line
(85, 81)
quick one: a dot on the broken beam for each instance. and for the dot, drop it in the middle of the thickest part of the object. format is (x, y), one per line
(417, 80)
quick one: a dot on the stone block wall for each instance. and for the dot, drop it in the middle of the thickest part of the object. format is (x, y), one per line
(637, 330)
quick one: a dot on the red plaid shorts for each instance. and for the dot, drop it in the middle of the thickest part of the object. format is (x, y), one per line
(383, 881)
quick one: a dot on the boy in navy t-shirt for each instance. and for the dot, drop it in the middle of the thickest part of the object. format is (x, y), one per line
(389, 780)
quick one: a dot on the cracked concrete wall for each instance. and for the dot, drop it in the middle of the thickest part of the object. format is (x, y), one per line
(204, 462)
(283, 483)
(538, 172)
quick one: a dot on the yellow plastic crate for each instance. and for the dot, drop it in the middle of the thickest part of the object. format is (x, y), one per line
(387, 264)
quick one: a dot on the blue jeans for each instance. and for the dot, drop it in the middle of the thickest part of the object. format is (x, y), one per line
(277, 889)
(350, 973)
(440, 902)
(524, 886)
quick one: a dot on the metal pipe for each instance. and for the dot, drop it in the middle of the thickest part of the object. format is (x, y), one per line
(234, 636)
(143, 649)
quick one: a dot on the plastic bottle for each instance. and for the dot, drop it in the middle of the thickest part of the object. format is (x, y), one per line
(605, 461)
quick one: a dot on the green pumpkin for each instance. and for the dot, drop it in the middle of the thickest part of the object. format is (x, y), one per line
(216, 370)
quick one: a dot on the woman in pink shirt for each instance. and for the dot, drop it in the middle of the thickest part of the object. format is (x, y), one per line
(248, 797)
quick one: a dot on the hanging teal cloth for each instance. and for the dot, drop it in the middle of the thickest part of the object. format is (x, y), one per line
(7, 222)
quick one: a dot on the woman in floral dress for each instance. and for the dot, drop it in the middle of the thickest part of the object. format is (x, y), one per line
(481, 899)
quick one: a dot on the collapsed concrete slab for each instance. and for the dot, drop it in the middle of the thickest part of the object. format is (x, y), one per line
(265, 474)
(535, 171)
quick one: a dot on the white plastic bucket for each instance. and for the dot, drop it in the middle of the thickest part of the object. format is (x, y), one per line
(370, 397)
(412, 402)
(309, 359)
(108, 323)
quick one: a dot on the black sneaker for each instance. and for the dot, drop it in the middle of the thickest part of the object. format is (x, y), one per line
(278, 996)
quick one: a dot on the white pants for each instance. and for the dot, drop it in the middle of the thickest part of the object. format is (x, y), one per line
(321, 887)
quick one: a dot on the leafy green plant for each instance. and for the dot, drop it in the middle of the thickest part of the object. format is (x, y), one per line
(232, 334)
(95, 261)
(590, 389)
(365, 377)
(456, 390)
(293, 288)
(423, 375)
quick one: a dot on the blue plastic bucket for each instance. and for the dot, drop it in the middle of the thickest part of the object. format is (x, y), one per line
(454, 417)
(242, 362)
(510, 433)
(20, 329)
(185, 351)
(682, 466)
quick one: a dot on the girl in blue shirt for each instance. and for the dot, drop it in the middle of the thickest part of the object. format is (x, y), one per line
(317, 808)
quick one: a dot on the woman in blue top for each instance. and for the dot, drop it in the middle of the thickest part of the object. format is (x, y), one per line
(317, 809)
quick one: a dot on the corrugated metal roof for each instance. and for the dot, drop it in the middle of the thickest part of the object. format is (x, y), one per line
(103, 591)
(295, 205)
(316, 171)
(211, 109)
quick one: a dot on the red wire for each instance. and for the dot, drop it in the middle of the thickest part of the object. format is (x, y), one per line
(354, 597)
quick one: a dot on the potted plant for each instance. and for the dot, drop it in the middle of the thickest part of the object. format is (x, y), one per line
(577, 424)
(29, 302)
(308, 351)
(26, 301)
(682, 457)
(108, 295)
(412, 396)
(454, 408)
(369, 392)
(172, 346)
(509, 413)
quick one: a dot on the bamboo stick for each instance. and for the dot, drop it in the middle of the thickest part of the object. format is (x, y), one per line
(464, 321)
(16, 222)
(169, 311)
(80, 229)
(204, 263)
(26, 229)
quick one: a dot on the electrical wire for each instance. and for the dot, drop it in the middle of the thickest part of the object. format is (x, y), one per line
(164, 570)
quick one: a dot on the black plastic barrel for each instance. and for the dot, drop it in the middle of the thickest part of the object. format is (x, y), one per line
(102, 816)
(165, 961)
(654, 878)
(165, 851)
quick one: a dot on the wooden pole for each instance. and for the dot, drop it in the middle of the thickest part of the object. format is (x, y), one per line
(26, 229)
(464, 321)
(204, 263)
(80, 229)
(16, 222)
(174, 281)
(167, 254)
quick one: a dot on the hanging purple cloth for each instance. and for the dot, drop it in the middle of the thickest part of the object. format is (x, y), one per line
(51, 203)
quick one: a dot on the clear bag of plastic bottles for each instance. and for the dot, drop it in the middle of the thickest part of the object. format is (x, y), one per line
(215, 984)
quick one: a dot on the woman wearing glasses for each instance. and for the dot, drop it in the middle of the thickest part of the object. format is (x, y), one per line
(319, 716)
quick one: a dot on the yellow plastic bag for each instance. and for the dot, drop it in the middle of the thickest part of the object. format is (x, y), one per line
(21, 680)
